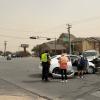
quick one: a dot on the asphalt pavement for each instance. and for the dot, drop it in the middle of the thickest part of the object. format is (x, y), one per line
(9, 91)
(21, 80)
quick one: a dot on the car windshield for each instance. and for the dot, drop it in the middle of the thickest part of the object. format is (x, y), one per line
(58, 56)
(73, 58)
(53, 56)
(68, 58)
(88, 54)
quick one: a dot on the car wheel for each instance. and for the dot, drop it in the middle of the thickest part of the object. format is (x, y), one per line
(57, 73)
(91, 70)
(56, 70)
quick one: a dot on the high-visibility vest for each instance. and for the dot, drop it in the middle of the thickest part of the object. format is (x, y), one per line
(44, 57)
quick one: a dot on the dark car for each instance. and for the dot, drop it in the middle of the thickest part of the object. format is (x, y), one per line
(96, 61)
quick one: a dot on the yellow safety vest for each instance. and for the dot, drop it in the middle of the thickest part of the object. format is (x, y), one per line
(44, 57)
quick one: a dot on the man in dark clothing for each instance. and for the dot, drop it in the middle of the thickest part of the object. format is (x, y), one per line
(86, 64)
(81, 65)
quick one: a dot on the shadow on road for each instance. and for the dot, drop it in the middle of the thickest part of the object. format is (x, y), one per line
(42, 81)
(32, 81)
(36, 78)
(35, 75)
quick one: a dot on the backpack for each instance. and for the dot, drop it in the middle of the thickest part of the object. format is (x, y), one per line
(82, 61)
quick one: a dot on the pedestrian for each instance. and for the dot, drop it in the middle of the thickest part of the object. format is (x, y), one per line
(45, 59)
(63, 61)
(80, 67)
(86, 65)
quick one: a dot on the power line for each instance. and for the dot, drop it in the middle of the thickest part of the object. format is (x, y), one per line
(77, 22)
(85, 20)
(15, 37)
(73, 22)
(13, 30)
(59, 26)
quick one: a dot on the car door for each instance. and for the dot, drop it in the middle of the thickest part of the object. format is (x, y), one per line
(74, 61)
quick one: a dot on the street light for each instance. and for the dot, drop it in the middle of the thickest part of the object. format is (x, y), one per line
(47, 38)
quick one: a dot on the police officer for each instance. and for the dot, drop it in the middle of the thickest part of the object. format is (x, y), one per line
(45, 59)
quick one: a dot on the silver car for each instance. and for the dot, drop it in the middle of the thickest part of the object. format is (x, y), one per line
(90, 66)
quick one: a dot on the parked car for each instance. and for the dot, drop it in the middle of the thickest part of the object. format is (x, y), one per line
(72, 69)
(9, 57)
(96, 61)
(90, 54)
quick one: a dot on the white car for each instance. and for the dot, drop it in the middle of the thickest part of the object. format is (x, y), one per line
(90, 54)
(55, 67)
(72, 69)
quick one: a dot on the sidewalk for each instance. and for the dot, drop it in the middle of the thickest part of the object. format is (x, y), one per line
(10, 91)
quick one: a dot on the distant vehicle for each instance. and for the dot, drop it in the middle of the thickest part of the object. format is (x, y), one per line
(72, 69)
(9, 57)
(96, 61)
(90, 54)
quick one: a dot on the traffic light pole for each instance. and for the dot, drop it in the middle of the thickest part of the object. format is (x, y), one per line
(55, 40)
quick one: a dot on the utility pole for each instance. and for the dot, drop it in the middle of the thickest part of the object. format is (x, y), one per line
(5, 45)
(55, 46)
(69, 26)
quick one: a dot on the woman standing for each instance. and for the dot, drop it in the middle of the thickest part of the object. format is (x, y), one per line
(63, 66)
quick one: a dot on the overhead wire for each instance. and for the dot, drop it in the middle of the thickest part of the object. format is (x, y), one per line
(61, 25)
(86, 20)
(77, 22)
(15, 37)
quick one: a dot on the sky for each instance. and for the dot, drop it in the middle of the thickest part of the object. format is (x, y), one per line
(21, 19)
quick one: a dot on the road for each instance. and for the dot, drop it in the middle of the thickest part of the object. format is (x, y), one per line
(24, 72)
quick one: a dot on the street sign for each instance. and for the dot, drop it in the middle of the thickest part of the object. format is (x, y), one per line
(25, 45)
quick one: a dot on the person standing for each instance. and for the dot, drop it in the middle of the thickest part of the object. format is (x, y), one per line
(86, 65)
(63, 60)
(45, 59)
(81, 66)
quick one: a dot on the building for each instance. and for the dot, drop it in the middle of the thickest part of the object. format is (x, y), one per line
(78, 45)
(52, 48)
(82, 44)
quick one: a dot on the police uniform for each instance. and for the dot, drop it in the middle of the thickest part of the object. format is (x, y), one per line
(45, 66)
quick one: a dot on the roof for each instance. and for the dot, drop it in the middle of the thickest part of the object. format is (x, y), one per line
(78, 39)
(92, 39)
(95, 38)
(58, 46)
(66, 35)
(51, 45)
